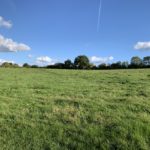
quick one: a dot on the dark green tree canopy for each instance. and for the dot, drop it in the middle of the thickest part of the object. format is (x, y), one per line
(146, 61)
(102, 66)
(125, 64)
(68, 64)
(81, 62)
(26, 65)
(136, 61)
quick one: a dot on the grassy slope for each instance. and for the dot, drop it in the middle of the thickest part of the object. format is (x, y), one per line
(60, 109)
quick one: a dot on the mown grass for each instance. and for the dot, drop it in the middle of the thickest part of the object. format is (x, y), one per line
(64, 109)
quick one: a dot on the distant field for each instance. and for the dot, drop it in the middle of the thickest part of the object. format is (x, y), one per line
(64, 109)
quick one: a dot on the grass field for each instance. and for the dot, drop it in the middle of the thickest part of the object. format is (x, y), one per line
(64, 109)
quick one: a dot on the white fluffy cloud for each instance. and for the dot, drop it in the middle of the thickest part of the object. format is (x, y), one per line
(95, 59)
(8, 45)
(45, 60)
(142, 46)
(4, 23)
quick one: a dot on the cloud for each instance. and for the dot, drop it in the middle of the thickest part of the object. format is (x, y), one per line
(3, 61)
(45, 60)
(30, 56)
(96, 60)
(145, 46)
(8, 45)
(4, 23)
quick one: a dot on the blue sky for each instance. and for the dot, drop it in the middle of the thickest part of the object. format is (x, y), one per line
(56, 30)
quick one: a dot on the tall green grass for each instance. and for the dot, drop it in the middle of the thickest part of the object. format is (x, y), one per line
(65, 109)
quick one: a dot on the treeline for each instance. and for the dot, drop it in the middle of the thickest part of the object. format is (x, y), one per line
(83, 62)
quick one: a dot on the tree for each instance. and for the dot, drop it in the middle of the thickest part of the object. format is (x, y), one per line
(59, 65)
(125, 64)
(50, 67)
(68, 64)
(146, 61)
(9, 65)
(34, 66)
(15, 66)
(92, 66)
(26, 65)
(6, 64)
(117, 65)
(102, 66)
(136, 62)
(82, 62)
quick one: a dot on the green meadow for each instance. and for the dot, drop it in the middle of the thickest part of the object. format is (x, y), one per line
(42, 109)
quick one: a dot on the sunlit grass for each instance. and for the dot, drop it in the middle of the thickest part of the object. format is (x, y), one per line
(70, 109)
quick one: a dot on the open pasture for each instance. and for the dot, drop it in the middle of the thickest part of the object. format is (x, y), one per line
(43, 109)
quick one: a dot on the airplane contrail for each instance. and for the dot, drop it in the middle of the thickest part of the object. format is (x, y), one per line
(99, 15)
